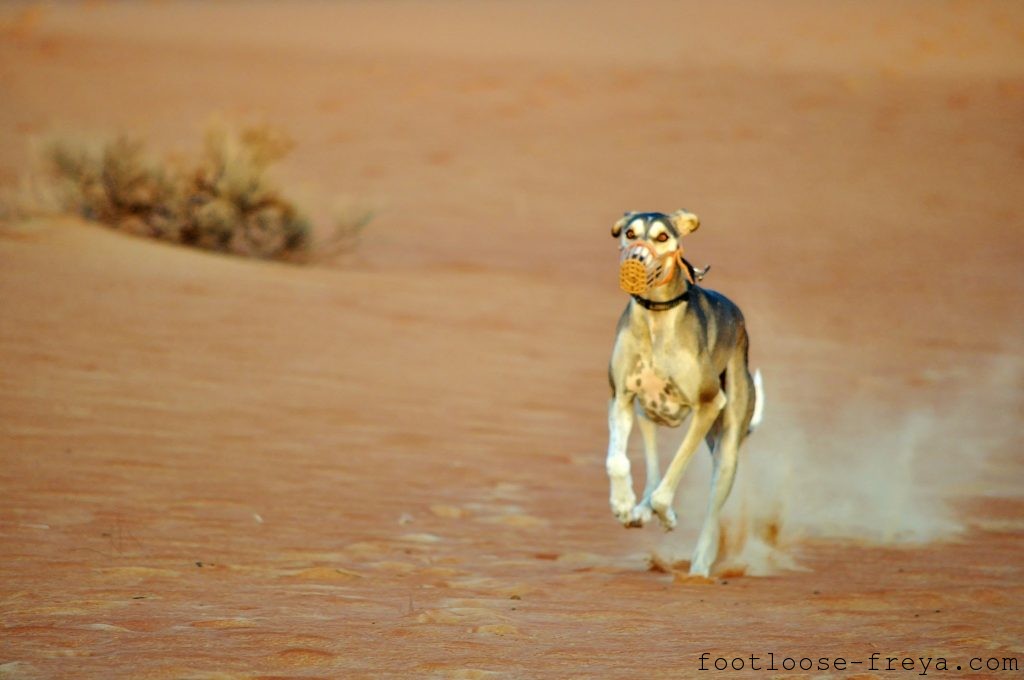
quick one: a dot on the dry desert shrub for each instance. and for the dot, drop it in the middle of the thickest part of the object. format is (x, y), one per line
(222, 200)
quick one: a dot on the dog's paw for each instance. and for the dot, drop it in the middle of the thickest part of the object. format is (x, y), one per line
(706, 552)
(641, 514)
(701, 564)
(622, 503)
(668, 519)
(623, 513)
(662, 507)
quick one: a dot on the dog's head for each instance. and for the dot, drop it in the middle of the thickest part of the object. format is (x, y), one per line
(651, 248)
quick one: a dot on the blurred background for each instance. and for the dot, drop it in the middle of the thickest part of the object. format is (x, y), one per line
(415, 422)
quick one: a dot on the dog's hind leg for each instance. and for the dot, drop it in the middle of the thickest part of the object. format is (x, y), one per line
(735, 422)
(704, 416)
(642, 513)
(722, 475)
(620, 422)
(714, 435)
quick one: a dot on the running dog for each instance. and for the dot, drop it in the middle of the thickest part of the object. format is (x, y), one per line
(680, 349)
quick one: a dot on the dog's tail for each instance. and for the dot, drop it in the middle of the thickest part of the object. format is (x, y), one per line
(758, 416)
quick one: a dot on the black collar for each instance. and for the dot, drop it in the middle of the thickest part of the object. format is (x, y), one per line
(662, 306)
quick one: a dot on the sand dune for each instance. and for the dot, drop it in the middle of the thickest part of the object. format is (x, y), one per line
(392, 466)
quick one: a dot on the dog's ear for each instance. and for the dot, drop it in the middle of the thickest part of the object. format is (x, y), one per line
(617, 227)
(684, 221)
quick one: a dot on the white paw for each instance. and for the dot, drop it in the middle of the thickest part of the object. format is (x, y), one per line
(706, 553)
(622, 501)
(700, 567)
(661, 504)
(642, 514)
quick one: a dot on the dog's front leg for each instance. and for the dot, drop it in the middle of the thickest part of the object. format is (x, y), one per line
(642, 513)
(703, 418)
(620, 422)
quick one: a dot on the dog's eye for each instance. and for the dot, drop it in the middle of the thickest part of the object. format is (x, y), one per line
(662, 237)
(630, 234)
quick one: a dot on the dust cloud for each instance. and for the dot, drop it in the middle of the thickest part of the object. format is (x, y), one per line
(874, 474)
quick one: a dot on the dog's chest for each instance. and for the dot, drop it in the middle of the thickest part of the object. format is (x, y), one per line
(659, 397)
(662, 367)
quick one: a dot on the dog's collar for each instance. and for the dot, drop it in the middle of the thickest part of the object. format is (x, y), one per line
(662, 306)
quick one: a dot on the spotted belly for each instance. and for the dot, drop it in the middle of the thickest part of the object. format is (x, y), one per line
(660, 399)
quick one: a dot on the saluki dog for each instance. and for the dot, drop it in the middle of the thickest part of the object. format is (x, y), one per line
(680, 349)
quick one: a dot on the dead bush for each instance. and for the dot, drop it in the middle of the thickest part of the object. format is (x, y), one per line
(221, 200)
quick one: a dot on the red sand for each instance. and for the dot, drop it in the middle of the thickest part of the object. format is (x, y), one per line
(212, 468)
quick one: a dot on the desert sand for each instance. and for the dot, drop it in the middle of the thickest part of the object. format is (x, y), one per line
(392, 464)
